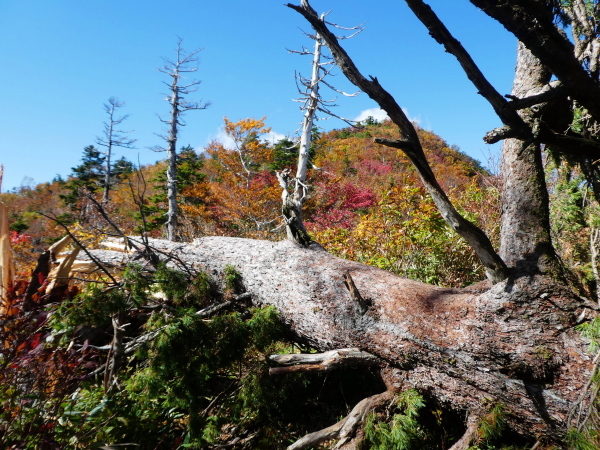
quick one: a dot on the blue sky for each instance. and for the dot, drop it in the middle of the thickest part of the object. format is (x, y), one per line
(61, 60)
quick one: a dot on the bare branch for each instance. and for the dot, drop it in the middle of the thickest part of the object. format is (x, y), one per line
(175, 69)
(346, 428)
(443, 36)
(532, 24)
(495, 267)
(322, 362)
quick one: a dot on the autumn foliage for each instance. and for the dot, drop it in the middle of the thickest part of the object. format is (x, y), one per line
(365, 200)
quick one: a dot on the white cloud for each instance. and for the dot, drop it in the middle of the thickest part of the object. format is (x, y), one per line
(416, 120)
(376, 113)
(272, 138)
(380, 115)
(221, 137)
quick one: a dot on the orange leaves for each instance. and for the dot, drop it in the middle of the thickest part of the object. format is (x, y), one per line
(245, 155)
(239, 194)
(237, 130)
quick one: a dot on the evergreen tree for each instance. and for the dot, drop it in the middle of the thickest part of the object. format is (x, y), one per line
(189, 165)
(121, 168)
(88, 175)
(285, 154)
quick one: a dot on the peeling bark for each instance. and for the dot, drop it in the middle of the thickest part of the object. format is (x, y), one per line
(511, 343)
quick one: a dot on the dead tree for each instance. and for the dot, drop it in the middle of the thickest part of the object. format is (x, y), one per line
(410, 145)
(295, 189)
(511, 340)
(112, 137)
(177, 69)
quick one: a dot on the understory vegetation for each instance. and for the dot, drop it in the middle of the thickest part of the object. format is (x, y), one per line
(159, 358)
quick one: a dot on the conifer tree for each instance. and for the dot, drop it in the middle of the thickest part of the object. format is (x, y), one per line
(89, 175)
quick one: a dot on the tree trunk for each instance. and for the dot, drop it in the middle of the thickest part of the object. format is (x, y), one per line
(172, 162)
(292, 204)
(525, 242)
(468, 348)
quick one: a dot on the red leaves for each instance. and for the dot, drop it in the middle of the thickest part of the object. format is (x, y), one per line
(337, 204)
(19, 238)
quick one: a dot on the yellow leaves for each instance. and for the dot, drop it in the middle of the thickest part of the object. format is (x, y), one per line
(246, 126)
(246, 155)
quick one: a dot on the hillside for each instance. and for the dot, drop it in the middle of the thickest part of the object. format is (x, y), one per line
(358, 187)
(163, 329)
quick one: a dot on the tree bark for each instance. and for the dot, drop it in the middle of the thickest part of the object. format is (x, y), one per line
(467, 348)
(172, 212)
(525, 242)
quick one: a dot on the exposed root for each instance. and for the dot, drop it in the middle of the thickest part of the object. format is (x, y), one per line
(470, 435)
(345, 430)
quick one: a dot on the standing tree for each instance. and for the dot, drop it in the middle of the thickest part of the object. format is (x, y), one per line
(176, 69)
(89, 176)
(111, 138)
(312, 102)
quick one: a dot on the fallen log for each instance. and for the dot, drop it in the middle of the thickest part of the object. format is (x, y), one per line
(512, 343)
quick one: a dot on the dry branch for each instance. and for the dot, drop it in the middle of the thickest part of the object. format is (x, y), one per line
(322, 362)
(494, 266)
(346, 428)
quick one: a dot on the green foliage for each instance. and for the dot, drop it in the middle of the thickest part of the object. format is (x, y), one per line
(19, 225)
(403, 431)
(189, 166)
(582, 441)
(591, 331)
(587, 435)
(574, 219)
(285, 155)
(232, 278)
(93, 307)
(88, 175)
(121, 168)
(406, 235)
(492, 424)
(192, 384)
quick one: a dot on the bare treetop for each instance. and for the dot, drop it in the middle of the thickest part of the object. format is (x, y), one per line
(184, 63)
(113, 137)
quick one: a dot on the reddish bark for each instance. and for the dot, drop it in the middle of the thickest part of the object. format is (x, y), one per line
(511, 343)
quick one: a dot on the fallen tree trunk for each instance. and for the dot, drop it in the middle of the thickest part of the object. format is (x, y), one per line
(512, 343)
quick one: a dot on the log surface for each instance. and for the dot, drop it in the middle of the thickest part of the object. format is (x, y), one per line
(512, 343)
